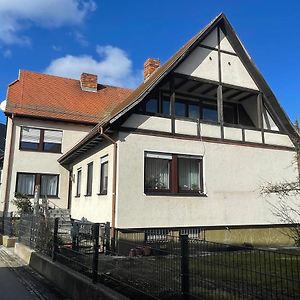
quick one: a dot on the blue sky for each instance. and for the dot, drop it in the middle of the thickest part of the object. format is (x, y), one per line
(113, 38)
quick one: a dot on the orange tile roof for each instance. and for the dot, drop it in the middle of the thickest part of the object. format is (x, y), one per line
(48, 96)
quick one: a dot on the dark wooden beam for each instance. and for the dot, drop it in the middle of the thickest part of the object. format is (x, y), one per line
(234, 95)
(260, 116)
(172, 104)
(195, 87)
(209, 89)
(245, 97)
(180, 84)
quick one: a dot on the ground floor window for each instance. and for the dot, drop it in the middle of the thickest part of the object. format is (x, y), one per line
(48, 183)
(173, 173)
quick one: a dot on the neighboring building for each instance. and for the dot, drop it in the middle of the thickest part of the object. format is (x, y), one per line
(190, 147)
(47, 116)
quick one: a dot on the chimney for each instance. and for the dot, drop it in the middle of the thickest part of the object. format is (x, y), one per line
(88, 82)
(150, 65)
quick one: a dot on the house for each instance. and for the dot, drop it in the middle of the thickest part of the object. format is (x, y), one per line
(188, 150)
(46, 116)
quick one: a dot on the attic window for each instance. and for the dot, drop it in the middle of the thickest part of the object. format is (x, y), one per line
(152, 105)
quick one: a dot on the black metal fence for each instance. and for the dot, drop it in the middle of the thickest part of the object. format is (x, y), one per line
(163, 264)
(169, 266)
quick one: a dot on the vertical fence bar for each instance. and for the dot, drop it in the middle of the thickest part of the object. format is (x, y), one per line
(185, 284)
(55, 240)
(107, 238)
(96, 251)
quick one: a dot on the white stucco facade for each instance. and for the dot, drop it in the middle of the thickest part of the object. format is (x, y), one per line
(38, 162)
(233, 177)
(96, 208)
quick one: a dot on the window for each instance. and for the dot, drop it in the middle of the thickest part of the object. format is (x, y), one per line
(210, 113)
(103, 175)
(189, 170)
(43, 140)
(166, 106)
(26, 183)
(174, 174)
(152, 106)
(30, 138)
(89, 183)
(180, 109)
(157, 172)
(49, 185)
(78, 186)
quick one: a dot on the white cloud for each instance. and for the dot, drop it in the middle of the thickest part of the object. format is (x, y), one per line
(112, 67)
(17, 15)
(7, 53)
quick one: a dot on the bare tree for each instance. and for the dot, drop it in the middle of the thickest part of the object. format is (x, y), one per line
(286, 210)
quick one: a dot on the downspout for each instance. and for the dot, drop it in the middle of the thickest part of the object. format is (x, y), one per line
(114, 188)
(8, 180)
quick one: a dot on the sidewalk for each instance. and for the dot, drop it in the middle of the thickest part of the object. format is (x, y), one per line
(19, 282)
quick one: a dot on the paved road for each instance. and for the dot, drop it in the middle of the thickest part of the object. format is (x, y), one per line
(11, 287)
(20, 282)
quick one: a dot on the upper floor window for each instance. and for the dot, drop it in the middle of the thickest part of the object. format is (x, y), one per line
(89, 179)
(103, 175)
(172, 173)
(78, 185)
(48, 183)
(37, 139)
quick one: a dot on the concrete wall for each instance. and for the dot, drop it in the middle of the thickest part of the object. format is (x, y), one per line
(272, 236)
(96, 208)
(233, 176)
(39, 162)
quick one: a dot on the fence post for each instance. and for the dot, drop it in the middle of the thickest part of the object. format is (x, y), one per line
(107, 238)
(54, 239)
(96, 251)
(185, 284)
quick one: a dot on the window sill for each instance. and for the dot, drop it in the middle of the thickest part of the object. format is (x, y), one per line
(175, 194)
(39, 151)
(77, 196)
(102, 194)
(88, 195)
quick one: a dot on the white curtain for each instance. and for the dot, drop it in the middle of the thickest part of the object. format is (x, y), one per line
(157, 175)
(189, 174)
(49, 185)
(26, 184)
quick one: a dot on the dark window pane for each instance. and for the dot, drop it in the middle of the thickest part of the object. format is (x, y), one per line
(230, 114)
(52, 147)
(244, 118)
(152, 106)
(210, 113)
(104, 178)
(180, 109)
(89, 184)
(157, 174)
(166, 107)
(29, 146)
(25, 184)
(49, 185)
(189, 174)
(78, 187)
(193, 111)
